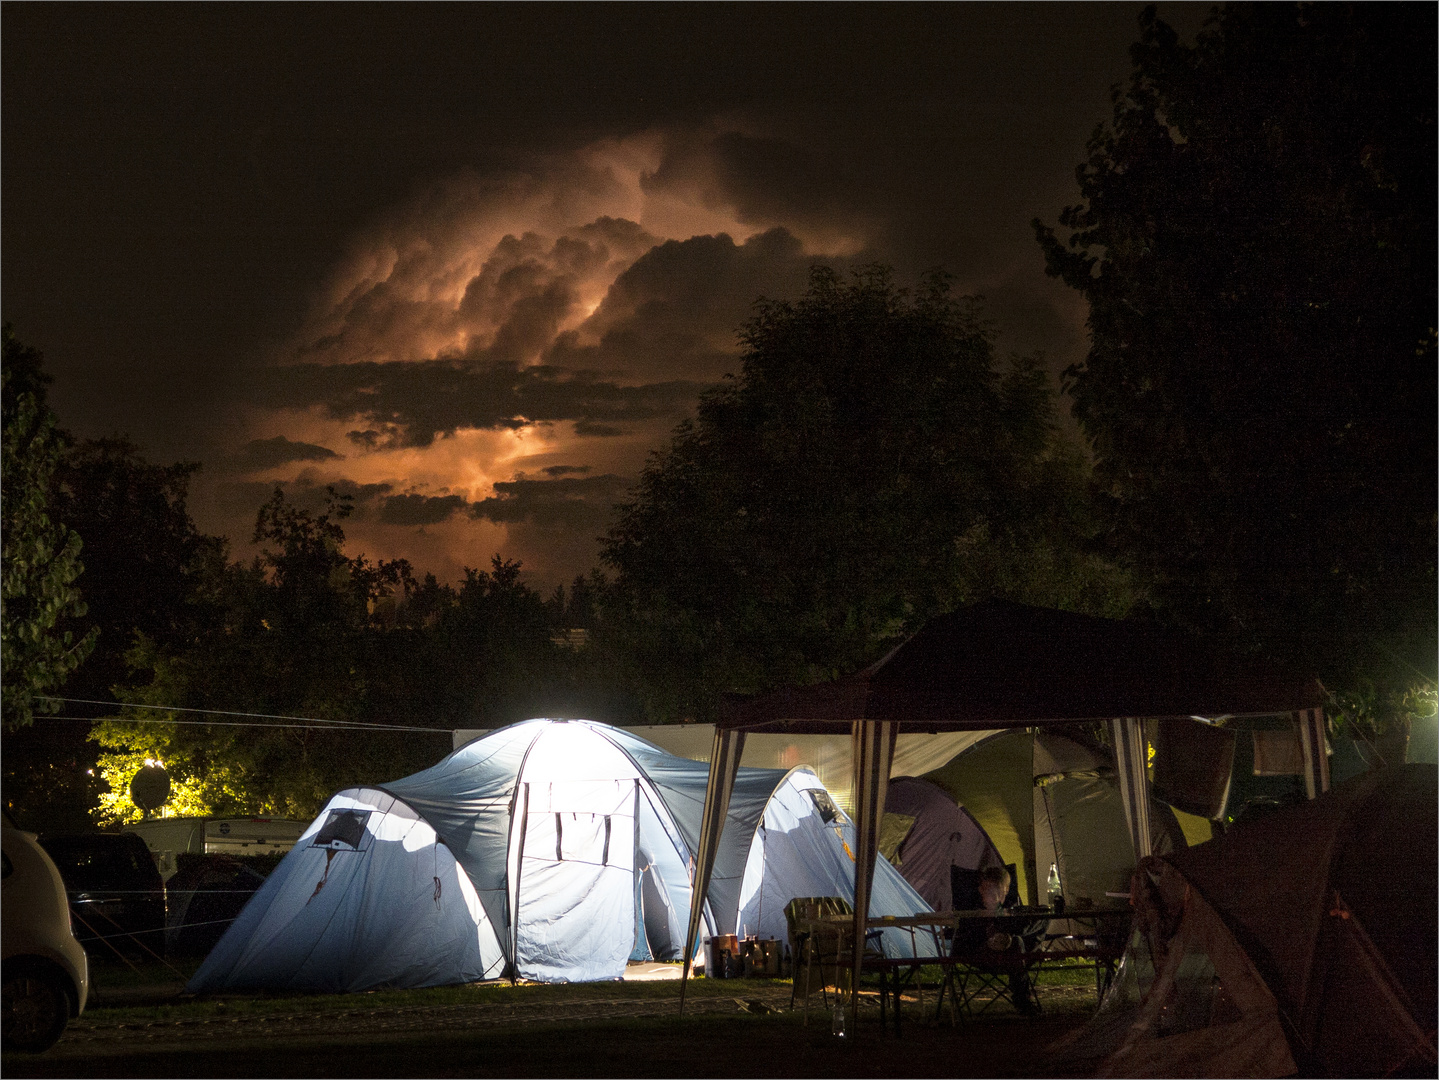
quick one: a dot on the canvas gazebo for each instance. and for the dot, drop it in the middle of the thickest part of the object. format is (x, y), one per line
(997, 664)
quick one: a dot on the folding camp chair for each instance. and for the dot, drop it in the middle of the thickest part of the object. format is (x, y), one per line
(815, 947)
(976, 979)
(821, 951)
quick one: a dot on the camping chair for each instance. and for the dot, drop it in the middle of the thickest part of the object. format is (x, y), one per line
(819, 949)
(977, 978)
(814, 946)
(977, 975)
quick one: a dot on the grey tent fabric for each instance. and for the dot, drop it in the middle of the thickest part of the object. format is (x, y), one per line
(873, 757)
(1193, 765)
(1047, 798)
(1310, 723)
(719, 787)
(553, 850)
(943, 835)
(1130, 760)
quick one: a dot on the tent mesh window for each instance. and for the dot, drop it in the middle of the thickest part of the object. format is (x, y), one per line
(342, 829)
(828, 811)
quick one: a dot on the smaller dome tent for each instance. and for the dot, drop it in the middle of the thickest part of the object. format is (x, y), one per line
(804, 846)
(1302, 942)
(942, 835)
(553, 850)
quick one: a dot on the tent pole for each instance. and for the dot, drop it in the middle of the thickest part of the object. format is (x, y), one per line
(1312, 743)
(1131, 765)
(873, 757)
(515, 905)
(724, 766)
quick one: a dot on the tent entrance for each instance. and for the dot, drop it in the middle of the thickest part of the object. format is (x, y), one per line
(574, 879)
(663, 887)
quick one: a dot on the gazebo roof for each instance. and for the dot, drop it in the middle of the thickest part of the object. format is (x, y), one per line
(999, 664)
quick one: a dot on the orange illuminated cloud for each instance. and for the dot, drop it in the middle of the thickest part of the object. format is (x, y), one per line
(491, 362)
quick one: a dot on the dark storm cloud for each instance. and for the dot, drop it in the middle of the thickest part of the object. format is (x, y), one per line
(410, 404)
(268, 453)
(679, 307)
(586, 430)
(565, 470)
(767, 179)
(575, 503)
(420, 509)
(441, 276)
(674, 312)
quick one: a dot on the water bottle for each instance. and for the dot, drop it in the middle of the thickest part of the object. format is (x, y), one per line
(1056, 894)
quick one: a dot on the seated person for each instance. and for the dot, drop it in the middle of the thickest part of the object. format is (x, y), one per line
(983, 939)
(993, 888)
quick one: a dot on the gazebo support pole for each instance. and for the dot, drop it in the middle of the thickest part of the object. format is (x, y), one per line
(1314, 747)
(873, 757)
(724, 767)
(1131, 765)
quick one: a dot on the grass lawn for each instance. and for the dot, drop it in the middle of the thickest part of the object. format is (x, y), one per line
(139, 1027)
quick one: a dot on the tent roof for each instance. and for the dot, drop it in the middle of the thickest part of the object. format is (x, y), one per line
(1000, 664)
(1372, 838)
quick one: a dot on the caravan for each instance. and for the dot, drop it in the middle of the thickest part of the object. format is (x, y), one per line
(169, 838)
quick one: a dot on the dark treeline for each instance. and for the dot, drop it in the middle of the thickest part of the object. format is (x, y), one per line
(1257, 248)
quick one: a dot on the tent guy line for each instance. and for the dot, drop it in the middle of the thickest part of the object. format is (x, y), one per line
(306, 721)
(341, 726)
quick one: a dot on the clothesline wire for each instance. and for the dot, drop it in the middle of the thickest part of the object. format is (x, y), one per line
(303, 721)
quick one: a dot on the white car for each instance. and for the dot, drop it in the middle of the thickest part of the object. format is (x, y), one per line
(45, 972)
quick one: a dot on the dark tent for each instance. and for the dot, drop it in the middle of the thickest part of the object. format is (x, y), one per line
(1304, 941)
(940, 835)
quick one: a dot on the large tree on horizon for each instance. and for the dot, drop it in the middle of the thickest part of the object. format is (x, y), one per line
(1256, 243)
(871, 465)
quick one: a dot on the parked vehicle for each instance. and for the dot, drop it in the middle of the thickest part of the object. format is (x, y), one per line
(117, 897)
(45, 973)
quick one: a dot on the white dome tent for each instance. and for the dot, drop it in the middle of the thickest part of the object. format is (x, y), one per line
(552, 850)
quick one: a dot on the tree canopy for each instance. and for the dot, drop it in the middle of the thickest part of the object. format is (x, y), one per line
(318, 659)
(144, 556)
(871, 465)
(1256, 243)
(39, 554)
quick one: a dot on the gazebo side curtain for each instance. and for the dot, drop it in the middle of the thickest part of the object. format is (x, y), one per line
(1131, 761)
(724, 767)
(1310, 723)
(873, 757)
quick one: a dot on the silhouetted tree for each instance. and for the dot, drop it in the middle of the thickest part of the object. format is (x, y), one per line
(871, 466)
(1257, 247)
(144, 557)
(39, 554)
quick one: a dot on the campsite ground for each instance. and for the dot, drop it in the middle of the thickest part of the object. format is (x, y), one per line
(137, 1026)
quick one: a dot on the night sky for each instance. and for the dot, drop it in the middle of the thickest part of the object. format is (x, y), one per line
(472, 263)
